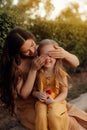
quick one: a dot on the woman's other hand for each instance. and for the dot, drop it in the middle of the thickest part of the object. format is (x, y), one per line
(38, 62)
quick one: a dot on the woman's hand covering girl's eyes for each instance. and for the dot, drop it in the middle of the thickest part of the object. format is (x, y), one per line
(58, 53)
(38, 62)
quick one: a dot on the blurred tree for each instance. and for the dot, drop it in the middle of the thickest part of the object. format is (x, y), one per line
(31, 7)
(28, 8)
(70, 14)
(68, 29)
(48, 6)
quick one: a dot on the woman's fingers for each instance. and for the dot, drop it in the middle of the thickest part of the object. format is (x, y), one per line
(57, 53)
(42, 59)
(38, 62)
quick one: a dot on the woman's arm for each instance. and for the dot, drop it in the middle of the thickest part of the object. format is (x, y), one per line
(62, 96)
(71, 60)
(27, 86)
(68, 58)
(24, 89)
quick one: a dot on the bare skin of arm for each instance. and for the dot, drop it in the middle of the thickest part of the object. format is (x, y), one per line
(24, 89)
(43, 97)
(62, 96)
(40, 95)
(68, 58)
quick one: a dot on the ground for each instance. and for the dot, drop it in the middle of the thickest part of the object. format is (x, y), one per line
(79, 86)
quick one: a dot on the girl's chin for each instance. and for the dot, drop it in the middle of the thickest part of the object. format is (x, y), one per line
(47, 66)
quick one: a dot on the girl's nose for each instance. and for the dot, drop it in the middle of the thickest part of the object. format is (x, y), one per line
(47, 57)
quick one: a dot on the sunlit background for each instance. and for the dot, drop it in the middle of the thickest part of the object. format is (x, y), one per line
(64, 21)
(59, 5)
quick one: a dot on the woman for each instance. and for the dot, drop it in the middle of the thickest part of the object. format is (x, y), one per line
(18, 73)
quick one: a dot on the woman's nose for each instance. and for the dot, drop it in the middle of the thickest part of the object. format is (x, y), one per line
(32, 50)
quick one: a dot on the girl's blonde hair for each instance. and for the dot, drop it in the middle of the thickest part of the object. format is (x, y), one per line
(58, 65)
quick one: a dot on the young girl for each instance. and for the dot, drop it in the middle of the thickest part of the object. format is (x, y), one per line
(52, 82)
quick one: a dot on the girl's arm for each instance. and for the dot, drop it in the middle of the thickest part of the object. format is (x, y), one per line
(63, 92)
(27, 87)
(62, 96)
(71, 59)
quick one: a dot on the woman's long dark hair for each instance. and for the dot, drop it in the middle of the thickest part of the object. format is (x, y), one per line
(10, 60)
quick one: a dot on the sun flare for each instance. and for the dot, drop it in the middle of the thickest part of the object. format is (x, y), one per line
(59, 5)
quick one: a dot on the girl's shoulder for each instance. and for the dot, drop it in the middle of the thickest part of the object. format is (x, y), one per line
(62, 72)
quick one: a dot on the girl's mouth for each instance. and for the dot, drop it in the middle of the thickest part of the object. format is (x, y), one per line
(47, 61)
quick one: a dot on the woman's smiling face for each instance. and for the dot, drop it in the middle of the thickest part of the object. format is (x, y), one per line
(28, 49)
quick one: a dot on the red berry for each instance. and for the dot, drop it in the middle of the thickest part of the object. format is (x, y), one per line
(49, 91)
(46, 61)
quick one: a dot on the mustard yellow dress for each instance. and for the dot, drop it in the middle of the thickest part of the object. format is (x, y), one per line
(53, 116)
(25, 112)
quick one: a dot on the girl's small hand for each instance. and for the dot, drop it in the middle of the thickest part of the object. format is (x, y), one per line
(58, 53)
(38, 62)
(49, 99)
(42, 96)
